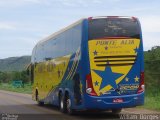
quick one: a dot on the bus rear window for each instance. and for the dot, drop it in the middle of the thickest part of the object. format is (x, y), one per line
(113, 27)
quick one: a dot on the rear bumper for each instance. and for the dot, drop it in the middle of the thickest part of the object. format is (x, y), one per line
(104, 103)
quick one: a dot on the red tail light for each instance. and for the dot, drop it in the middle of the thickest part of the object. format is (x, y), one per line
(89, 86)
(141, 85)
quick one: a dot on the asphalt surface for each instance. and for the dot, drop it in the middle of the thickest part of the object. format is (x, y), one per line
(20, 106)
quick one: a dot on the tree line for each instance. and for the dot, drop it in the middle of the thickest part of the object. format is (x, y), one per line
(8, 77)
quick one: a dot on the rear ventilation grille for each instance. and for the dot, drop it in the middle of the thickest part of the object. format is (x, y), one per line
(120, 60)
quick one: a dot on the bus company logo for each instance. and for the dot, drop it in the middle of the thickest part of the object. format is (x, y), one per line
(107, 42)
(114, 42)
(129, 86)
(124, 42)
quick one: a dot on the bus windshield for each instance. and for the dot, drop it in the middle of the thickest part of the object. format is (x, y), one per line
(113, 27)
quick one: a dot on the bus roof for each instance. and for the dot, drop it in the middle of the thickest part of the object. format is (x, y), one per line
(98, 17)
(70, 26)
(60, 31)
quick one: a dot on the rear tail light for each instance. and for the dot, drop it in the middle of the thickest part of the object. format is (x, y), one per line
(89, 86)
(141, 85)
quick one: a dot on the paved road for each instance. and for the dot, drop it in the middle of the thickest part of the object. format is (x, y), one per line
(21, 105)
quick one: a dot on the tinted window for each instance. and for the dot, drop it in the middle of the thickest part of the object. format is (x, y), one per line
(113, 27)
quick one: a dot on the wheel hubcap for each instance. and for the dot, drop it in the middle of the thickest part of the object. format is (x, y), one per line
(61, 104)
(68, 104)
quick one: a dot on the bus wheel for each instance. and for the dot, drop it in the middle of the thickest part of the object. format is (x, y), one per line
(116, 111)
(40, 103)
(68, 106)
(62, 104)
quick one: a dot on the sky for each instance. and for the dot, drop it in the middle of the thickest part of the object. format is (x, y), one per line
(25, 22)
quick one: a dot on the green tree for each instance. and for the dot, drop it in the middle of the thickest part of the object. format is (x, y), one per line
(5, 77)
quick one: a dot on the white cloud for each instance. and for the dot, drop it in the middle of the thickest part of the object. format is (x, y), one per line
(83, 3)
(151, 30)
(97, 1)
(150, 23)
(7, 26)
(15, 3)
(150, 40)
(72, 3)
(33, 1)
(69, 3)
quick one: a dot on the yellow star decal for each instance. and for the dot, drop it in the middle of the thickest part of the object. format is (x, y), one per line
(136, 79)
(126, 79)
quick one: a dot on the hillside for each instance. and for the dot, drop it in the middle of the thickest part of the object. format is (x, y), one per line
(14, 63)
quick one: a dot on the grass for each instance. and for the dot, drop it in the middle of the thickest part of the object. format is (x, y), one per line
(8, 87)
(152, 101)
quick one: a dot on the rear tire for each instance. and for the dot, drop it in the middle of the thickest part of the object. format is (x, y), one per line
(116, 111)
(69, 109)
(62, 104)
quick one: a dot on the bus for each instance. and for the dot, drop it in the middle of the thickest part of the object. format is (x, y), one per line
(94, 64)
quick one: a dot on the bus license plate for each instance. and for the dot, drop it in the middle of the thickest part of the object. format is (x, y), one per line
(118, 100)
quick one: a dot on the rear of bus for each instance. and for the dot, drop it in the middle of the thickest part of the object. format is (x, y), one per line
(116, 77)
